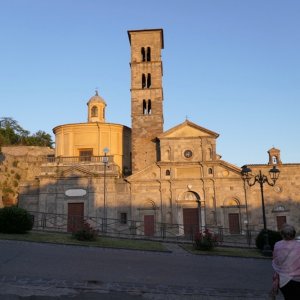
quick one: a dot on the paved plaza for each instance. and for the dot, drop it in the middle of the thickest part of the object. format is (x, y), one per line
(42, 271)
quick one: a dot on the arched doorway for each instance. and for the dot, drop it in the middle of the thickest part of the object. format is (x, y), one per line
(191, 213)
(232, 214)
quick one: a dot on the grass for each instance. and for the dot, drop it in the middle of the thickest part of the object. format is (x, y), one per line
(227, 251)
(66, 239)
(108, 242)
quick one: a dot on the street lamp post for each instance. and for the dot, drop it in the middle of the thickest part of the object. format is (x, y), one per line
(262, 179)
(105, 161)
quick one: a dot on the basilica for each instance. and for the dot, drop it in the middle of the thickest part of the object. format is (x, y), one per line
(144, 180)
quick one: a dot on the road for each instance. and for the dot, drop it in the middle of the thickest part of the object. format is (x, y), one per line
(47, 271)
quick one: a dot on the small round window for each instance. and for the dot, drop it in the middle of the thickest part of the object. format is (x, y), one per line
(188, 153)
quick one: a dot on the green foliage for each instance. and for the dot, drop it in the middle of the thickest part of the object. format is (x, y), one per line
(273, 236)
(15, 220)
(205, 240)
(86, 233)
(11, 133)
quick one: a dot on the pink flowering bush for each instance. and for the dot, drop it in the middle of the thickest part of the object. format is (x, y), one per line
(86, 233)
(205, 240)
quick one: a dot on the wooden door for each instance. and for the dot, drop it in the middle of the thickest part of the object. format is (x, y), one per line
(190, 221)
(281, 220)
(234, 223)
(149, 225)
(75, 216)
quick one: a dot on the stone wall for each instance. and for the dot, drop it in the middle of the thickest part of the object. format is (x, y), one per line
(19, 164)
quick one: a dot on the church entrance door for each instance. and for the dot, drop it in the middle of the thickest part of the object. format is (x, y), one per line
(75, 216)
(190, 221)
(149, 225)
(234, 223)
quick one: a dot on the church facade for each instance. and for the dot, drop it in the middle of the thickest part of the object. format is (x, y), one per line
(146, 180)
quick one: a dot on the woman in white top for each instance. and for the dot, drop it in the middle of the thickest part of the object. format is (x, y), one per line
(286, 263)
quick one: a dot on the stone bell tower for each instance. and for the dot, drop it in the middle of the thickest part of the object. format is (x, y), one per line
(146, 95)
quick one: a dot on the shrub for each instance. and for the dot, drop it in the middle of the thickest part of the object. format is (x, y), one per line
(14, 219)
(205, 240)
(274, 236)
(86, 233)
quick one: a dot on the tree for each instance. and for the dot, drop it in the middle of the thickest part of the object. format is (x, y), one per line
(11, 133)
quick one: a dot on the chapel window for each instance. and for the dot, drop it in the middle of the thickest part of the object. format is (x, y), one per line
(85, 155)
(94, 111)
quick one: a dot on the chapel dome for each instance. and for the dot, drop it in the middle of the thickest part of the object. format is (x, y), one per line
(96, 99)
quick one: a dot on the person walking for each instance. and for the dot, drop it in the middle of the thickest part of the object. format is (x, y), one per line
(286, 264)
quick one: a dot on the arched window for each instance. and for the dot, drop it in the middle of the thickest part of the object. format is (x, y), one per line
(148, 80)
(144, 107)
(143, 52)
(94, 111)
(210, 171)
(168, 172)
(143, 81)
(274, 160)
(148, 54)
(149, 107)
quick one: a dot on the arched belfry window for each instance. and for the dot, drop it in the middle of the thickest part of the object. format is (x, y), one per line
(146, 107)
(274, 160)
(143, 81)
(94, 111)
(143, 52)
(149, 107)
(148, 80)
(148, 54)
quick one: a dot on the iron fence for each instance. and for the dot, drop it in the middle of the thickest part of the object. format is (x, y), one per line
(135, 229)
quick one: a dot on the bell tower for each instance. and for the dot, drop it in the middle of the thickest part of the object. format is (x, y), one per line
(146, 95)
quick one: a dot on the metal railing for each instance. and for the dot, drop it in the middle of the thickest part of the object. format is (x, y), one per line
(136, 229)
(77, 159)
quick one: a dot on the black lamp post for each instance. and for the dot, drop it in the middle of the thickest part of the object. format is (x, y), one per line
(261, 179)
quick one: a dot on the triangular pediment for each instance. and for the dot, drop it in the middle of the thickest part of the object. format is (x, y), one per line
(76, 171)
(149, 173)
(188, 129)
(229, 169)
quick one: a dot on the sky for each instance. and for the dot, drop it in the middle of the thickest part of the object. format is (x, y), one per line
(231, 66)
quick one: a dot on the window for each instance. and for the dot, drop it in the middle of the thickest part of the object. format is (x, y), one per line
(168, 172)
(123, 218)
(148, 54)
(146, 81)
(147, 107)
(85, 155)
(143, 52)
(143, 81)
(210, 171)
(94, 111)
(274, 160)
